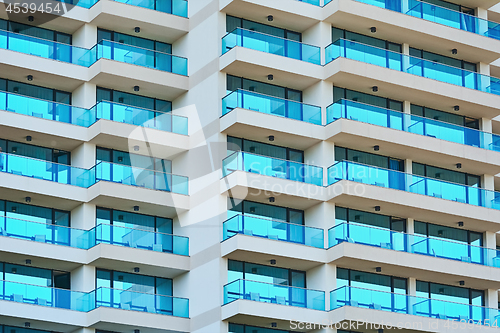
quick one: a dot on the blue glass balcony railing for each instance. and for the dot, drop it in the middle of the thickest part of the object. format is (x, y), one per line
(273, 167)
(273, 229)
(141, 239)
(86, 239)
(410, 123)
(46, 296)
(87, 57)
(129, 175)
(412, 65)
(441, 15)
(144, 302)
(274, 293)
(312, 2)
(103, 110)
(102, 171)
(431, 246)
(413, 305)
(80, 3)
(271, 44)
(85, 302)
(271, 105)
(398, 180)
(142, 57)
(175, 7)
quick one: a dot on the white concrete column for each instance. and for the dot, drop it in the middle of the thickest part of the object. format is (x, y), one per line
(408, 172)
(84, 330)
(492, 298)
(84, 96)
(410, 225)
(84, 156)
(412, 291)
(319, 94)
(407, 115)
(83, 278)
(86, 36)
(321, 216)
(322, 155)
(319, 35)
(406, 59)
(490, 240)
(405, 48)
(84, 216)
(323, 277)
(484, 81)
(488, 182)
(486, 125)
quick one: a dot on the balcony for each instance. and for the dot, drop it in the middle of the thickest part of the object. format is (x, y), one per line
(87, 57)
(412, 65)
(274, 293)
(281, 107)
(441, 15)
(398, 180)
(103, 171)
(70, 114)
(86, 239)
(375, 115)
(85, 302)
(398, 241)
(412, 305)
(46, 296)
(273, 229)
(311, 2)
(273, 167)
(271, 44)
(143, 302)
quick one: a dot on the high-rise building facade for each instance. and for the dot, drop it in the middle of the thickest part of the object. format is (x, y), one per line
(249, 166)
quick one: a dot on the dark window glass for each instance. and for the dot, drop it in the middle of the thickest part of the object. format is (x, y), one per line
(42, 153)
(30, 90)
(368, 158)
(274, 212)
(266, 274)
(136, 160)
(356, 96)
(37, 32)
(455, 234)
(34, 275)
(234, 22)
(445, 116)
(134, 220)
(371, 281)
(446, 175)
(265, 149)
(363, 39)
(442, 59)
(234, 83)
(133, 282)
(133, 41)
(150, 103)
(450, 293)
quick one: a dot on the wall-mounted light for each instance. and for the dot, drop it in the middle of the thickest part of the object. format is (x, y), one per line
(377, 208)
(31, 18)
(459, 165)
(273, 261)
(137, 269)
(272, 199)
(374, 88)
(28, 261)
(27, 199)
(271, 137)
(376, 147)
(373, 29)
(27, 324)
(274, 325)
(270, 18)
(28, 138)
(454, 51)
(136, 88)
(136, 148)
(461, 224)
(462, 283)
(456, 108)
(378, 269)
(137, 331)
(29, 77)
(137, 29)
(270, 77)
(136, 208)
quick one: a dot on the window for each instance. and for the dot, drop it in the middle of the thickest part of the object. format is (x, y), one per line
(363, 39)
(454, 234)
(133, 41)
(21, 211)
(265, 149)
(30, 90)
(240, 328)
(267, 274)
(368, 158)
(135, 160)
(356, 96)
(347, 215)
(134, 220)
(379, 282)
(445, 116)
(29, 30)
(35, 276)
(446, 175)
(234, 83)
(235, 22)
(150, 103)
(41, 153)
(13, 329)
(443, 59)
(450, 293)
(452, 6)
(258, 209)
